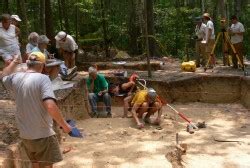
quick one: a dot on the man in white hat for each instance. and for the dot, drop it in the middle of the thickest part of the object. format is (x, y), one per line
(209, 39)
(15, 19)
(9, 45)
(146, 101)
(67, 48)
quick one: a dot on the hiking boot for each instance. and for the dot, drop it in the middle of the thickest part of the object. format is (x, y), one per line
(109, 115)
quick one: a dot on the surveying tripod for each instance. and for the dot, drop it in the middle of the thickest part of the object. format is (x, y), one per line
(225, 40)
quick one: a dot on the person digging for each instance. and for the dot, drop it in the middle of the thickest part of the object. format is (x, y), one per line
(146, 101)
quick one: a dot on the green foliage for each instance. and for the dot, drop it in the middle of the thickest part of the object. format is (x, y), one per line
(90, 42)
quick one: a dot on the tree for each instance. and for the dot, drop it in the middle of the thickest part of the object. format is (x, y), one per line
(150, 26)
(25, 28)
(133, 27)
(42, 17)
(65, 15)
(49, 22)
(6, 6)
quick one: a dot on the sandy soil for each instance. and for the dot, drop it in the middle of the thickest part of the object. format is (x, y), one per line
(116, 142)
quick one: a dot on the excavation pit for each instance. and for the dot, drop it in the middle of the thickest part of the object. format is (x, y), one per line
(222, 101)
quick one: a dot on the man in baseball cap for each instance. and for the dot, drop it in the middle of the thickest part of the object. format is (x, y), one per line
(36, 110)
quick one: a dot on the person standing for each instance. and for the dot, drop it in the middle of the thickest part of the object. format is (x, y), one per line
(209, 39)
(67, 48)
(9, 45)
(15, 19)
(236, 31)
(36, 109)
(98, 91)
(200, 32)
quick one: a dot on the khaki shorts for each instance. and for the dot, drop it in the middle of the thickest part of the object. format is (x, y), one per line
(209, 46)
(45, 151)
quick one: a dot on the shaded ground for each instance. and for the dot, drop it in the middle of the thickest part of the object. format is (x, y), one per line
(117, 143)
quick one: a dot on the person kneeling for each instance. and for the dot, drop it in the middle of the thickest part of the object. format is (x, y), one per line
(146, 101)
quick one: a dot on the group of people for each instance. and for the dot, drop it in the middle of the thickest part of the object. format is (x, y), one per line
(137, 101)
(205, 40)
(32, 88)
(10, 47)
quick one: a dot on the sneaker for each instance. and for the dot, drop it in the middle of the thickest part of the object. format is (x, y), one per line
(109, 115)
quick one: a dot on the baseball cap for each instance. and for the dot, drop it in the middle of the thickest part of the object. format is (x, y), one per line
(152, 94)
(16, 17)
(60, 35)
(43, 39)
(37, 57)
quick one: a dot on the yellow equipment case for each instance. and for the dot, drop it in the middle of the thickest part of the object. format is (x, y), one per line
(189, 66)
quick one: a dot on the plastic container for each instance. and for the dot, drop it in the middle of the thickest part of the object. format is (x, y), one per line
(189, 66)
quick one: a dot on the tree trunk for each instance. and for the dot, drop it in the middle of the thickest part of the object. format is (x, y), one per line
(222, 8)
(42, 17)
(104, 27)
(25, 28)
(60, 13)
(6, 6)
(76, 20)
(150, 26)
(237, 7)
(202, 6)
(49, 22)
(133, 28)
(147, 40)
(65, 15)
(177, 27)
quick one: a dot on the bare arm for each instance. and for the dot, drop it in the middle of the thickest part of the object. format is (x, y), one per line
(127, 85)
(17, 31)
(10, 68)
(54, 112)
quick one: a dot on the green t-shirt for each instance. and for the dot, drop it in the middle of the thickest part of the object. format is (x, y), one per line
(100, 83)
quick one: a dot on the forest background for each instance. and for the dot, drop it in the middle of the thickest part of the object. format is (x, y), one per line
(121, 24)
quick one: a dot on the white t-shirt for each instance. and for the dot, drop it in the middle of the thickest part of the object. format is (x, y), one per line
(68, 45)
(237, 28)
(210, 25)
(7, 37)
(200, 31)
(9, 45)
(30, 90)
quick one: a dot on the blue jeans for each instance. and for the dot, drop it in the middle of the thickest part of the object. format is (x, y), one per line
(94, 98)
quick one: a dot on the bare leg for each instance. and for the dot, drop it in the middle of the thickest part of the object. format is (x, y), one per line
(66, 59)
(72, 60)
(126, 101)
(143, 108)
